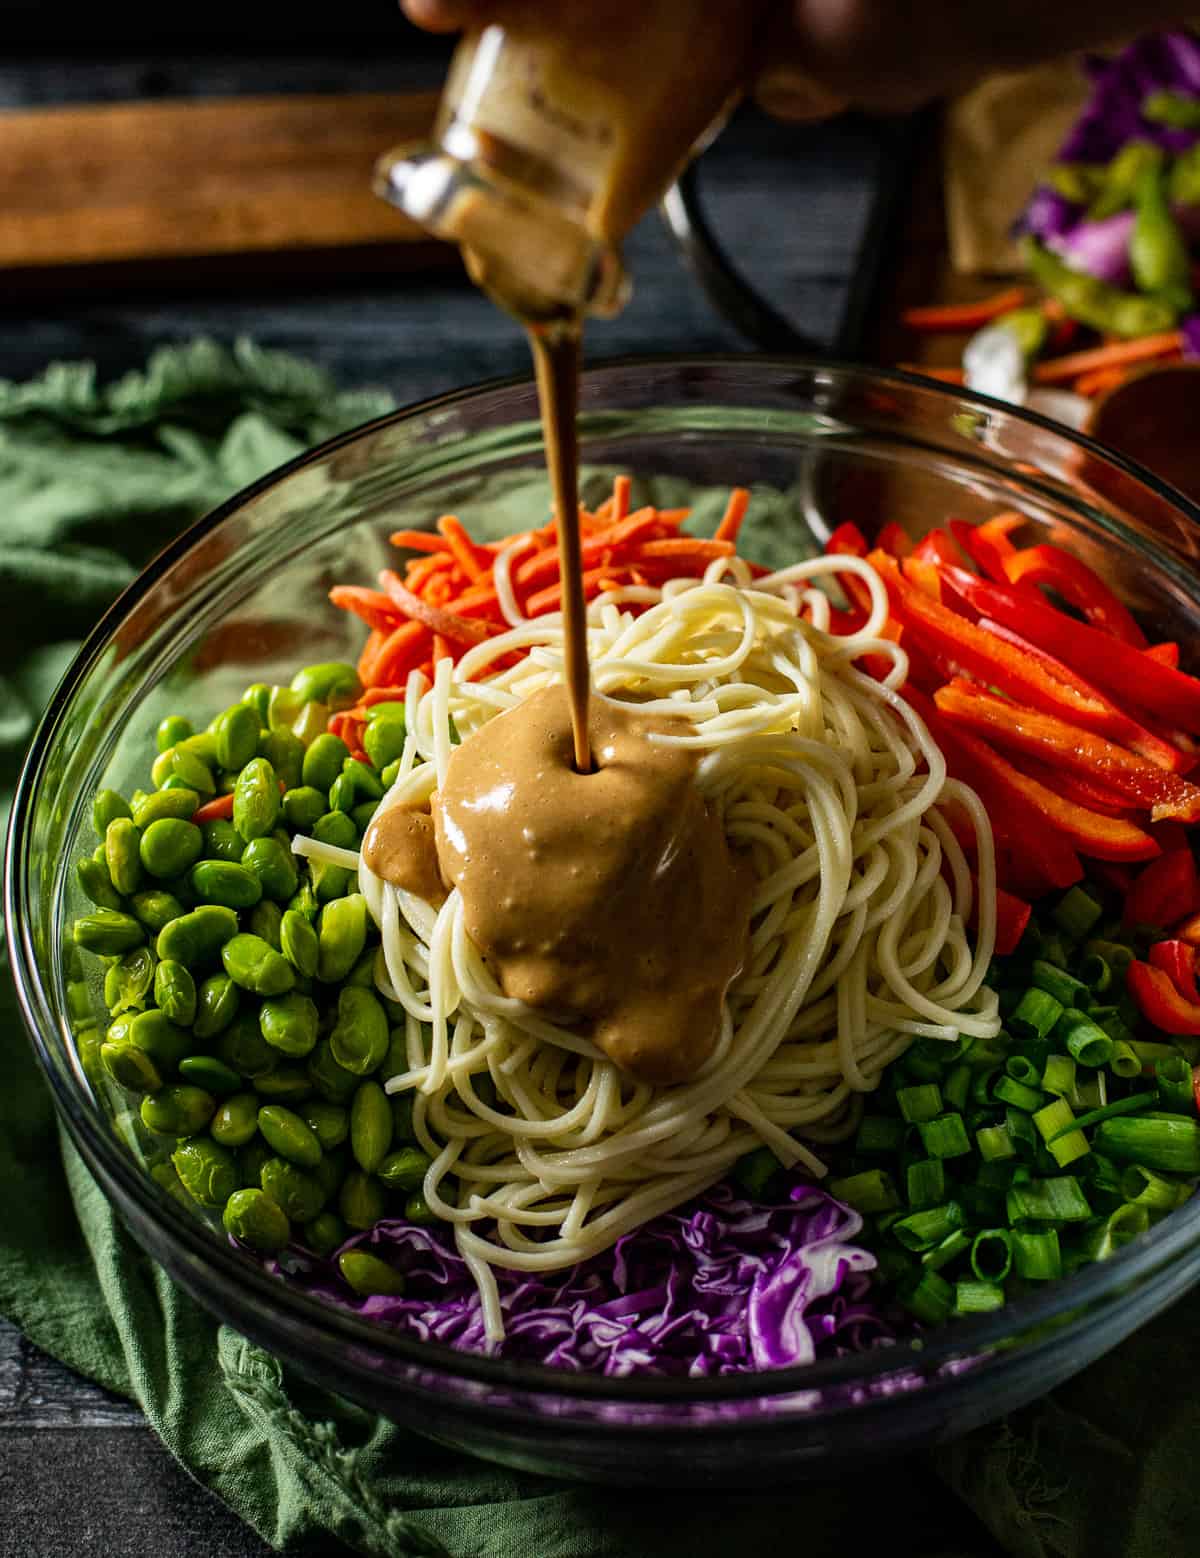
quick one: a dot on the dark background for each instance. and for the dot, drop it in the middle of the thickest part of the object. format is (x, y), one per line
(79, 1470)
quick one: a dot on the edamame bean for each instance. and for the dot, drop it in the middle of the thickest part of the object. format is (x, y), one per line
(370, 1126)
(97, 884)
(236, 1120)
(290, 1137)
(108, 805)
(196, 938)
(177, 761)
(128, 983)
(170, 731)
(216, 1006)
(359, 1040)
(255, 1220)
(258, 696)
(236, 735)
(121, 840)
(222, 841)
(213, 1075)
(323, 1235)
(178, 1111)
(169, 846)
(291, 1188)
(329, 882)
(342, 794)
(108, 932)
(362, 975)
(405, 1169)
(209, 1171)
(178, 801)
(284, 1085)
(298, 943)
(285, 752)
(368, 1275)
(383, 740)
(266, 919)
(220, 881)
(304, 901)
(202, 745)
(337, 828)
(332, 681)
(255, 799)
(363, 815)
(164, 1041)
(323, 761)
(341, 937)
(361, 1200)
(165, 1174)
(274, 866)
(282, 708)
(254, 965)
(330, 1172)
(289, 1023)
(310, 722)
(303, 806)
(130, 1068)
(156, 908)
(390, 774)
(253, 1157)
(334, 1083)
(329, 1123)
(243, 1048)
(418, 1210)
(364, 780)
(79, 1001)
(175, 992)
(402, 1117)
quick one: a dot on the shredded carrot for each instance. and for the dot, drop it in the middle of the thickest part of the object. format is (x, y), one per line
(367, 660)
(680, 547)
(943, 375)
(418, 540)
(543, 566)
(404, 648)
(1061, 370)
(474, 561)
(463, 630)
(735, 513)
(964, 316)
(1099, 381)
(620, 498)
(441, 649)
(371, 605)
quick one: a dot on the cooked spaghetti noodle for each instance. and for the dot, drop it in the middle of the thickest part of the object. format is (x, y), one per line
(544, 1152)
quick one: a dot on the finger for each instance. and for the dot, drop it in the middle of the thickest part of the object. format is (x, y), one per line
(441, 15)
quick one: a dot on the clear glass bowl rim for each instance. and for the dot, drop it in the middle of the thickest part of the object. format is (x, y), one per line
(1151, 1252)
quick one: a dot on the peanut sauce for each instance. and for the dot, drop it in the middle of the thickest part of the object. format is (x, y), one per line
(610, 900)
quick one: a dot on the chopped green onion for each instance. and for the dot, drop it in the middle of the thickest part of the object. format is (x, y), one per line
(951, 1247)
(1091, 1090)
(977, 1298)
(879, 1133)
(1021, 1069)
(1132, 1104)
(994, 1142)
(1106, 1236)
(1076, 913)
(870, 1191)
(1084, 1039)
(922, 1230)
(981, 1086)
(1096, 973)
(1037, 1256)
(1023, 1132)
(755, 1171)
(925, 1183)
(1006, 1091)
(1054, 951)
(928, 1299)
(1062, 1136)
(1059, 1076)
(919, 1103)
(991, 1254)
(982, 1206)
(1124, 1062)
(956, 1087)
(1114, 953)
(987, 1053)
(1058, 1200)
(1150, 1054)
(893, 1264)
(1036, 1013)
(1065, 989)
(1173, 1078)
(945, 1137)
(1167, 1142)
(1143, 1187)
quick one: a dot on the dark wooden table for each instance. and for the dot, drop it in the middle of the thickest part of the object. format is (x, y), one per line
(80, 1471)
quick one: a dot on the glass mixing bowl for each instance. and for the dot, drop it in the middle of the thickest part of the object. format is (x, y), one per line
(241, 598)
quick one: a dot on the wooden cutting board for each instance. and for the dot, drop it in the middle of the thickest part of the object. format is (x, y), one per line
(216, 187)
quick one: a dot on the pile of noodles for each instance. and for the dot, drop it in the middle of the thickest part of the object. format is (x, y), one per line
(544, 1152)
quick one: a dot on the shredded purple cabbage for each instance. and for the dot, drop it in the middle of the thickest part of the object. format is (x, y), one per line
(722, 1286)
(1190, 328)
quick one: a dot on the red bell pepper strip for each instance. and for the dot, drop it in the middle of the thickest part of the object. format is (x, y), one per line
(1012, 916)
(958, 647)
(923, 573)
(1189, 930)
(221, 806)
(1085, 792)
(1178, 959)
(848, 540)
(893, 540)
(1165, 892)
(1079, 585)
(938, 547)
(1053, 741)
(1125, 673)
(1107, 719)
(1166, 653)
(1159, 1002)
(987, 545)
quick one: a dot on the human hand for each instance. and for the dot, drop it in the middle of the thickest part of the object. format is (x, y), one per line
(886, 55)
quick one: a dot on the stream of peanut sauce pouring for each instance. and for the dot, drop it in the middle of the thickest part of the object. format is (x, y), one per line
(609, 901)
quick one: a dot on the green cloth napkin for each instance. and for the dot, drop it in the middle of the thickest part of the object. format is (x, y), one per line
(92, 481)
